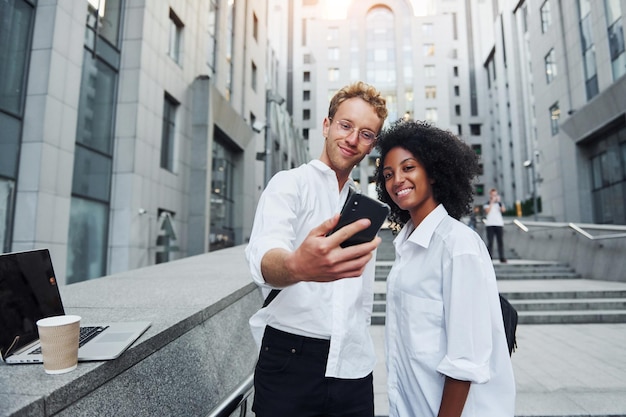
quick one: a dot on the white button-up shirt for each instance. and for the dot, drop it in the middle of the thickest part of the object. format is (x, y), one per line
(293, 203)
(444, 319)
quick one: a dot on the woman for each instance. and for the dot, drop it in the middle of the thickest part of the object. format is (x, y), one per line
(446, 348)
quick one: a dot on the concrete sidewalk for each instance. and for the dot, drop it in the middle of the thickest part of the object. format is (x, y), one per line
(560, 370)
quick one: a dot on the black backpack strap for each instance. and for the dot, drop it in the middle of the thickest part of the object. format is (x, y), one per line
(509, 316)
(270, 297)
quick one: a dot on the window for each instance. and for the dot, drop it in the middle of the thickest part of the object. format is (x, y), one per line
(478, 149)
(306, 58)
(457, 91)
(168, 133)
(222, 234)
(253, 76)
(15, 48)
(255, 27)
(333, 34)
(305, 133)
(306, 95)
(550, 63)
(608, 176)
(429, 49)
(427, 29)
(546, 16)
(104, 18)
(87, 240)
(479, 189)
(457, 110)
(333, 74)
(306, 114)
(7, 196)
(555, 115)
(176, 35)
(616, 37)
(229, 49)
(588, 49)
(430, 92)
(455, 71)
(212, 31)
(431, 114)
(14, 53)
(306, 76)
(380, 50)
(93, 154)
(333, 54)
(525, 18)
(475, 130)
(429, 71)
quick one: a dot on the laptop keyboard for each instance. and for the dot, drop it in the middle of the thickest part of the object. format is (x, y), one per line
(86, 334)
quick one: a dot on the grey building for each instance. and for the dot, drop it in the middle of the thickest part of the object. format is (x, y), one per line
(556, 100)
(418, 53)
(133, 133)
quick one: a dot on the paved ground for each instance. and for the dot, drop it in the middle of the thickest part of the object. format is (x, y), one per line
(564, 370)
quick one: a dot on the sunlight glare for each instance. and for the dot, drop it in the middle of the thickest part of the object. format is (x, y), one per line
(336, 9)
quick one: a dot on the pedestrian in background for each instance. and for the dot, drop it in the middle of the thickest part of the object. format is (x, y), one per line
(446, 348)
(495, 223)
(316, 353)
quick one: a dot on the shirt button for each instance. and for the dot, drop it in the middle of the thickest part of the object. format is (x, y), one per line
(293, 351)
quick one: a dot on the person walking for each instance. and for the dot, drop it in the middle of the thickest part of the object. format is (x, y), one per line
(316, 354)
(446, 349)
(494, 223)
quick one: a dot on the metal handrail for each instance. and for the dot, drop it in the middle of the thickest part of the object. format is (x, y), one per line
(579, 228)
(236, 399)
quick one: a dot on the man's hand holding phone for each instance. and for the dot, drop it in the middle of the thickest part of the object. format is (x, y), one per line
(338, 248)
(321, 257)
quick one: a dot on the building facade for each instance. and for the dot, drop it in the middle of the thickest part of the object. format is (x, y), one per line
(136, 133)
(417, 53)
(556, 96)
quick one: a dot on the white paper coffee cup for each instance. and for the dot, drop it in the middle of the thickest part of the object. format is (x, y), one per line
(58, 336)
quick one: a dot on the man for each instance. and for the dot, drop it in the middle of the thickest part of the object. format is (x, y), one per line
(494, 223)
(316, 354)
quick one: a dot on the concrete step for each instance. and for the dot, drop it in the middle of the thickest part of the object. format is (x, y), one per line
(542, 293)
(538, 275)
(563, 294)
(531, 267)
(567, 304)
(549, 317)
(572, 317)
(587, 304)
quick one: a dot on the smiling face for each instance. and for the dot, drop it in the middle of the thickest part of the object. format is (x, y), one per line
(343, 151)
(408, 184)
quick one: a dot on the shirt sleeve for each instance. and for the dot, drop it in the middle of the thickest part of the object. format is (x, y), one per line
(275, 222)
(467, 318)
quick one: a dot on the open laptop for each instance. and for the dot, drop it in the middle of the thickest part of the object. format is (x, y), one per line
(29, 292)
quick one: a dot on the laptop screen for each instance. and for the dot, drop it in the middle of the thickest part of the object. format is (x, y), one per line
(28, 292)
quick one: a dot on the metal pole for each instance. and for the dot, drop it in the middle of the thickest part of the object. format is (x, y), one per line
(268, 142)
(532, 172)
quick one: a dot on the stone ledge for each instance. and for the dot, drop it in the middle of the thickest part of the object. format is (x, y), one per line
(197, 349)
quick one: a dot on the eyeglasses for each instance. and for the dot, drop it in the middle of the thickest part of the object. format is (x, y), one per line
(346, 128)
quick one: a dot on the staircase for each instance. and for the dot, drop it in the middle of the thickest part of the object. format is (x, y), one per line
(541, 292)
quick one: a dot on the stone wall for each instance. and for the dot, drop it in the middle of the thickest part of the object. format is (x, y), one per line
(197, 350)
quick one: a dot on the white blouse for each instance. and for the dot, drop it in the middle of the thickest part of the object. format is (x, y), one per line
(444, 319)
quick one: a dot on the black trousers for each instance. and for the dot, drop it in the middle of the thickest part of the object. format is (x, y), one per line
(497, 232)
(289, 381)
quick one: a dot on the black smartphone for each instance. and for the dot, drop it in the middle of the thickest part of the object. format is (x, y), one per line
(359, 206)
